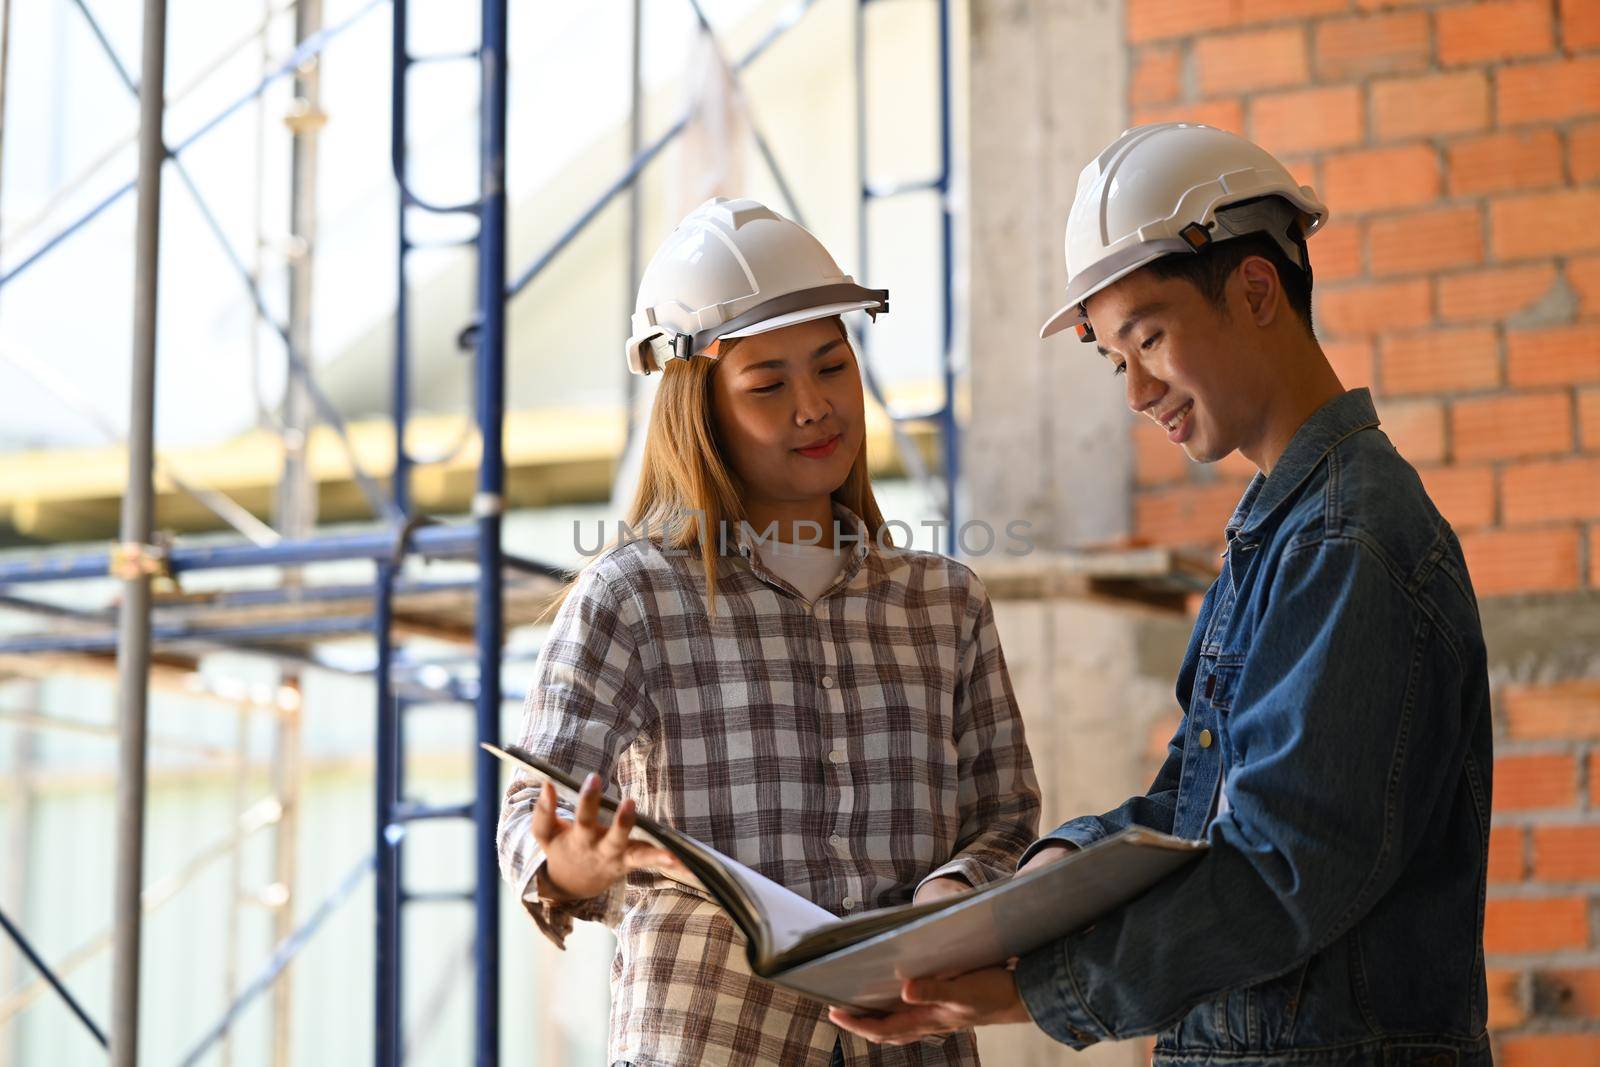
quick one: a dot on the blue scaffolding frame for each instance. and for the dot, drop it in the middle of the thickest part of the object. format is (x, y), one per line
(944, 415)
(404, 534)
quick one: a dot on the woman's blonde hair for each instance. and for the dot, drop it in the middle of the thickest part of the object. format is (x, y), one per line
(688, 498)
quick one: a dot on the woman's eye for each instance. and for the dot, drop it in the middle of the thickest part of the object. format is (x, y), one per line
(763, 390)
(1120, 368)
(1152, 339)
(836, 368)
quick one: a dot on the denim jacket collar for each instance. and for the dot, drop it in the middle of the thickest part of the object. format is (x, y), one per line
(1340, 417)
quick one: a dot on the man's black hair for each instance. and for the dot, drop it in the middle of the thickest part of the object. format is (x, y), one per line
(1209, 269)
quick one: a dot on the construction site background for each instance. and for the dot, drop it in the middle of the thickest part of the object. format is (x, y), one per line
(1457, 145)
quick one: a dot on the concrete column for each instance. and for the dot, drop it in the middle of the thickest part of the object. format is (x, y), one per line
(1048, 437)
(1047, 440)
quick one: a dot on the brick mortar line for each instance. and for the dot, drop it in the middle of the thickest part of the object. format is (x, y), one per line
(1541, 819)
(1537, 746)
(1548, 1026)
(1577, 959)
(1530, 891)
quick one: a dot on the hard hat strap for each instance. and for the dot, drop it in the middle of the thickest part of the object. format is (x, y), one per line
(1272, 216)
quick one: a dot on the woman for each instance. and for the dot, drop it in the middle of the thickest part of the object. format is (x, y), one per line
(761, 669)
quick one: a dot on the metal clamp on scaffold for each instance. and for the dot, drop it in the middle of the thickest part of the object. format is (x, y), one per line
(402, 537)
(302, 116)
(131, 561)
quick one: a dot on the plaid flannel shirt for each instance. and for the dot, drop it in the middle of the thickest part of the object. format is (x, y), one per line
(848, 748)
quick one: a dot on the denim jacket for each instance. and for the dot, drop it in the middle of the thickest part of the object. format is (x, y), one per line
(1335, 687)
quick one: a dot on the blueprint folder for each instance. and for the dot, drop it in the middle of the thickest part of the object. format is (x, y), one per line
(859, 960)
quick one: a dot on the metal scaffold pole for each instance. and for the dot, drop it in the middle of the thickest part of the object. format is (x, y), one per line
(133, 562)
(19, 819)
(296, 504)
(295, 511)
(488, 506)
(630, 384)
(387, 1020)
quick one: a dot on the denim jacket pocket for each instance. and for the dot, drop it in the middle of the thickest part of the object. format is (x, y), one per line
(1275, 1007)
(1218, 678)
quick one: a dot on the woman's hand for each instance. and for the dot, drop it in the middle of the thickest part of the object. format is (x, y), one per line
(1047, 855)
(582, 858)
(939, 888)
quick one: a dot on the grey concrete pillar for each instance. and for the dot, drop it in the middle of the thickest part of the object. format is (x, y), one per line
(1047, 439)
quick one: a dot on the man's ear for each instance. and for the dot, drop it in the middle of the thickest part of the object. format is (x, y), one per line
(1263, 292)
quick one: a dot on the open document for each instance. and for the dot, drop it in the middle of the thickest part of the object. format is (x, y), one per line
(858, 961)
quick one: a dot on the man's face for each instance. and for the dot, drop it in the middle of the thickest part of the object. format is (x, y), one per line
(1189, 367)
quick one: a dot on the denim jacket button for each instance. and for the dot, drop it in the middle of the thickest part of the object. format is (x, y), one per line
(1205, 738)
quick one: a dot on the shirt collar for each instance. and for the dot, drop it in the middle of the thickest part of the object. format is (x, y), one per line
(1334, 421)
(853, 537)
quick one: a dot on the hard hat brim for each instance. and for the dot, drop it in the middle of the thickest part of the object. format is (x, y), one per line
(791, 318)
(1098, 276)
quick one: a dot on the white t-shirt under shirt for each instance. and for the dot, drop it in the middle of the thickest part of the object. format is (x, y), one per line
(809, 568)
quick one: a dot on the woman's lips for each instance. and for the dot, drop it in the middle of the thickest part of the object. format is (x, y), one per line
(823, 450)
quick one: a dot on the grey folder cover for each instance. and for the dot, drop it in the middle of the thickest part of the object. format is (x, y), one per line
(858, 960)
(1002, 920)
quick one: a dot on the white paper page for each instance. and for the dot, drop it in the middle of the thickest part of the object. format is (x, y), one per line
(790, 915)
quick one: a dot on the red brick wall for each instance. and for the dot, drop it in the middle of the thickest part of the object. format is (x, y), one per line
(1544, 874)
(1457, 145)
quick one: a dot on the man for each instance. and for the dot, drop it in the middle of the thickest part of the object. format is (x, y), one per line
(1335, 749)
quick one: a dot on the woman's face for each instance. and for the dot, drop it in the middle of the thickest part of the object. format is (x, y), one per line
(789, 411)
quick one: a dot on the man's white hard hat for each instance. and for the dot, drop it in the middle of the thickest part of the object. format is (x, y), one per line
(1175, 187)
(734, 268)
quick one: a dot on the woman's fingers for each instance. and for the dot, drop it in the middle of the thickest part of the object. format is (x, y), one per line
(615, 842)
(588, 806)
(544, 815)
(644, 854)
(609, 847)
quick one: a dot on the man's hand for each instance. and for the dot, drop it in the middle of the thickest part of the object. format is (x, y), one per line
(947, 885)
(940, 1005)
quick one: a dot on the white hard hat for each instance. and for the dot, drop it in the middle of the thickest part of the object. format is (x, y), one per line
(1175, 187)
(733, 268)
